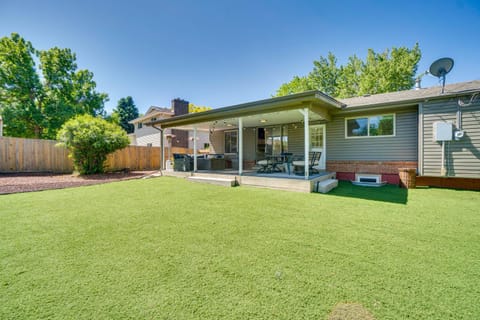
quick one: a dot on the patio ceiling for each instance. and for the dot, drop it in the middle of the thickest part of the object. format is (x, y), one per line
(258, 113)
(257, 120)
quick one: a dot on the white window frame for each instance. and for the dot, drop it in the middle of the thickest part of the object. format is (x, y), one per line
(323, 149)
(314, 148)
(368, 126)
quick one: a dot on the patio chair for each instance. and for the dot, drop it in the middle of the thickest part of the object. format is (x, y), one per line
(312, 163)
(287, 161)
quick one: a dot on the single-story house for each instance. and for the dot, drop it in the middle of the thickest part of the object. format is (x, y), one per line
(433, 132)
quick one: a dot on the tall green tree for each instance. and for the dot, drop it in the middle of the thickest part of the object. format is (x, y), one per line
(297, 84)
(391, 70)
(193, 108)
(126, 111)
(35, 103)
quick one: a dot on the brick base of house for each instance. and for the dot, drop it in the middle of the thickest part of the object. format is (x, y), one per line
(249, 164)
(346, 169)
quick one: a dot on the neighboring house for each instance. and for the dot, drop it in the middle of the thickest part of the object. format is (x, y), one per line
(435, 133)
(145, 135)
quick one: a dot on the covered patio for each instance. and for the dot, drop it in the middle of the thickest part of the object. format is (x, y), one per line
(244, 137)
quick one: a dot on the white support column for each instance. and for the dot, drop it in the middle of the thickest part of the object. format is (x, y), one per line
(195, 149)
(240, 146)
(307, 140)
(162, 151)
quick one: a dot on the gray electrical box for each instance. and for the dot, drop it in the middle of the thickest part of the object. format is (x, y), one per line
(442, 131)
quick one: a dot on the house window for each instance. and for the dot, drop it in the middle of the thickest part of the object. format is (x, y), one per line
(231, 141)
(139, 125)
(153, 119)
(316, 137)
(372, 126)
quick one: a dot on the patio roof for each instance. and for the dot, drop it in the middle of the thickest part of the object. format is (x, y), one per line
(263, 112)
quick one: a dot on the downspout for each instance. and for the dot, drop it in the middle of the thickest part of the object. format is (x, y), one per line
(420, 137)
(240, 146)
(162, 148)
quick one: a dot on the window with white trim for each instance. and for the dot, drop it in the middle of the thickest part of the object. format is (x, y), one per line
(316, 137)
(370, 126)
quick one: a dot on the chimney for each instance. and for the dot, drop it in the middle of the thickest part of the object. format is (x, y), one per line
(179, 106)
(418, 84)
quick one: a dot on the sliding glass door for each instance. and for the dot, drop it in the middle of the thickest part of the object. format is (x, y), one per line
(272, 141)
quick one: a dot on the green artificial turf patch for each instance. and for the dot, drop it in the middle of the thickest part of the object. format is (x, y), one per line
(167, 248)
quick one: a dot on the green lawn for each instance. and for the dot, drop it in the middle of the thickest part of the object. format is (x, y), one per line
(167, 248)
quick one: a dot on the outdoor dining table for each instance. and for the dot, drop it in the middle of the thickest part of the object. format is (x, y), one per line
(272, 163)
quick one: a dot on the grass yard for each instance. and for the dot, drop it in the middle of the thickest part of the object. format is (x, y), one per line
(167, 248)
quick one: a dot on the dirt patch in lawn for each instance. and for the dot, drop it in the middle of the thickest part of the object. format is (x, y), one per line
(350, 311)
(27, 182)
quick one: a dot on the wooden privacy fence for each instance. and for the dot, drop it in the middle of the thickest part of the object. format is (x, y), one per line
(34, 155)
(134, 158)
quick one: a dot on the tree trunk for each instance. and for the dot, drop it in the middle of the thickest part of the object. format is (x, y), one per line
(38, 132)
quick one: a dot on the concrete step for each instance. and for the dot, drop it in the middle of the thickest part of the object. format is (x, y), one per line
(218, 181)
(326, 185)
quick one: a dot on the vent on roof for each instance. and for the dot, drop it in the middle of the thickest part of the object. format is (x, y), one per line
(418, 80)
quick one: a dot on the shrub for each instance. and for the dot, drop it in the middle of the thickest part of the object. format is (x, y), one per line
(90, 140)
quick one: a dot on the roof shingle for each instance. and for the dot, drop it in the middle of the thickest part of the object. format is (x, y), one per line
(412, 95)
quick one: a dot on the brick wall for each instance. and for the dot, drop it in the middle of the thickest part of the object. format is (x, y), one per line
(180, 107)
(346, 169)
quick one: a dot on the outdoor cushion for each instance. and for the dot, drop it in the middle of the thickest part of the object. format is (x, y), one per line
(302, 163)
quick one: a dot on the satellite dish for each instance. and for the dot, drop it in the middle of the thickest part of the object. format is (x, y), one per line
(440, 68)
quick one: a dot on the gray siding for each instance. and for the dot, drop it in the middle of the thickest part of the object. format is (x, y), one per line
(296, 139)
(462, 156)
(217, 142)
(249, 144)
(402, 147)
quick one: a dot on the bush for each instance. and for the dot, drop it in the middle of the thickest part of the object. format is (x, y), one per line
(90, 140)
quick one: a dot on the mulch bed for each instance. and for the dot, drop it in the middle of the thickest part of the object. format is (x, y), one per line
(27, 182)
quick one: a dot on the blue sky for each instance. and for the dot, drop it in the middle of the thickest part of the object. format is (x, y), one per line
(220, 53)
